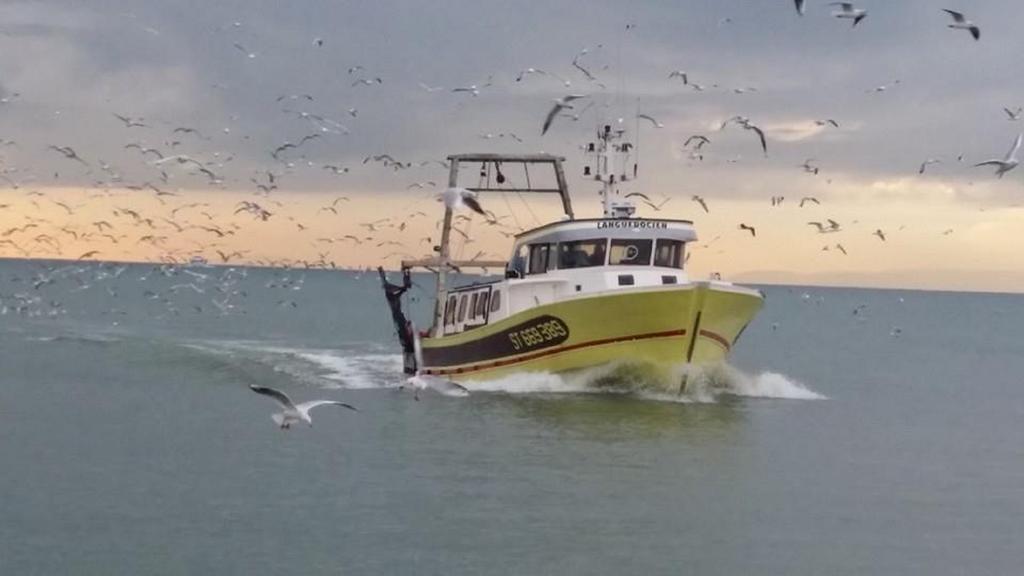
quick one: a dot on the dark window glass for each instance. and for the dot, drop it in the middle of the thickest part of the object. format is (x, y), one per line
(539, 258)
(669, 280)
(669, 254)
(449, 310)
(582, 254)
(481, 305)
(495, 301)
(630, 253)
(472, 305)
(626, 280)
(518, 263)
(462, 308)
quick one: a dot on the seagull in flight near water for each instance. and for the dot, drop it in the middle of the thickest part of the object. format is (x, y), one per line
(294, 413)
(1009, 162)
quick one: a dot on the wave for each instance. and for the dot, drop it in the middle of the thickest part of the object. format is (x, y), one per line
(682, 383)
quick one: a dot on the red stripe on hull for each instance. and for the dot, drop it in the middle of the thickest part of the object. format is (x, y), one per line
(716, 338)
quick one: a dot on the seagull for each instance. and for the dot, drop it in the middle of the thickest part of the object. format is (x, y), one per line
(880, 234)
(68, 153)
(679, 74)
(806, 199)
(442, 385)
(800, 7)
(559, 105)
(961, 23)
(293, 413)
(455, 198)
(927, 163)
(526, 71)
(750, 229)
(1013, 115)
(701, 141)
(703, 204)
(1009, 162)
(652, 120)
(130, 122)
(809, 168)
(822, 229)
(826, 122)
(241, 48)
(745, 123)
(846, 10)
(841, 249)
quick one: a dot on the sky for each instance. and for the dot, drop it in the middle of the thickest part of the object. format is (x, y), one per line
(220, 86)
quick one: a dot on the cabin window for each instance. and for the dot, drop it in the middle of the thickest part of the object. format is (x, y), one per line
(669, 254)
(669, 280)
(539, 254)
(462, 308)
(495, 301)
(517, 267)
(472, 304)
(449, 310)
(481, 305)
(630, 253)
(626, 280)
(582, 254)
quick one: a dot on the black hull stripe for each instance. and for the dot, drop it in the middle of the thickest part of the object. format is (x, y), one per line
(541, 354)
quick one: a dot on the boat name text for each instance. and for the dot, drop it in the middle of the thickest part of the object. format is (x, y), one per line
(642, 224)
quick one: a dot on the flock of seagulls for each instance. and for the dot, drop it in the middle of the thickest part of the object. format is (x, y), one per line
(168, 159)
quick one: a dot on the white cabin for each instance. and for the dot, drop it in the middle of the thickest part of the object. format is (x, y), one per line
(572, 259)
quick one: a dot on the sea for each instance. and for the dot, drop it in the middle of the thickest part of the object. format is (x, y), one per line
(854, 431)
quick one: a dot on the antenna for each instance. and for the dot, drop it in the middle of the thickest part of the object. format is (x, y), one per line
(609, 165)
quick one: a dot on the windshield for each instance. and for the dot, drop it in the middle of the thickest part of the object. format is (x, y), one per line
(581, 254)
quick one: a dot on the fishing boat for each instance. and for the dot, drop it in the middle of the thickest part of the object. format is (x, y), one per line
(575, 294)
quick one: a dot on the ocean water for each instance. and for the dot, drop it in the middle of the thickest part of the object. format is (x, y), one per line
(854, 432)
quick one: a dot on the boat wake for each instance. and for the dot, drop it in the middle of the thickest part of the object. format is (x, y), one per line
(375, 369)
(683, 383)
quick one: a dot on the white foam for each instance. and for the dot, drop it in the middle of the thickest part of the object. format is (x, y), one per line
(361, 370)
(702, 385)
(772, 385)
(358, 371)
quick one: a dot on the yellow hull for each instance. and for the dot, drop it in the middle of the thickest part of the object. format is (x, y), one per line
(697, 324)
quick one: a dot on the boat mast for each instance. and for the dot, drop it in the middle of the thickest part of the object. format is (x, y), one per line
(445, 250)
(610, 161)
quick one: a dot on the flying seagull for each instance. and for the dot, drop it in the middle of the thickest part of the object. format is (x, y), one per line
(293, 413)
(559, 105)
(745, 123)
(846, 10)
(651, 119)
(800, 7)
(700, 200)
(961, 23)
(441, 385)
(928, 162)
(455, 198)
(1013, 116)
(748, 228)
(1009, 162)
(679, 74)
